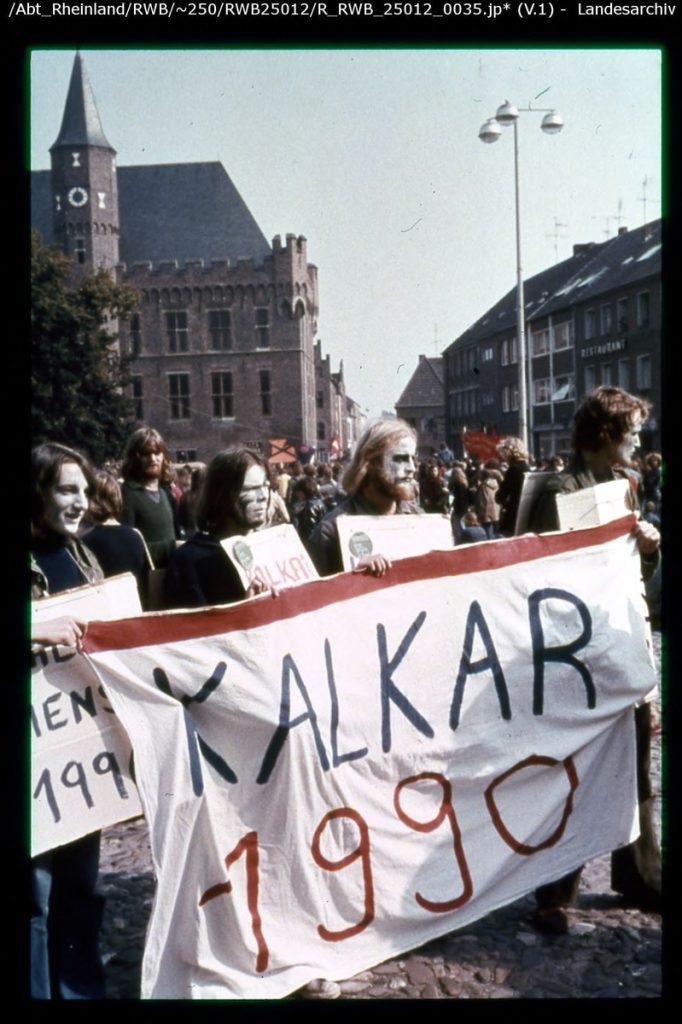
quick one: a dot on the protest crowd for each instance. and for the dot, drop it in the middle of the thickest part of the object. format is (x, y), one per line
(167, 525)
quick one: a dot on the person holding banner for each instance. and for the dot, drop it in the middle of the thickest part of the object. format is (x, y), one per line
(234, 499)
(66, 912)
(605, 434)
(378, 482)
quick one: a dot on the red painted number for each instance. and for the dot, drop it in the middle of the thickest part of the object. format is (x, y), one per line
(247, 844)
(446, 810)
(361, 852)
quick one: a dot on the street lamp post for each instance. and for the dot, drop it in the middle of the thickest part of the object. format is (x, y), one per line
(552, 123)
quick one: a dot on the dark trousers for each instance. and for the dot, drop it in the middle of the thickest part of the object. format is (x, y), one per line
(635, 868)
(66, 914)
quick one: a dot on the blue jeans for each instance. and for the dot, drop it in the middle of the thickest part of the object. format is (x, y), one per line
(66, 915)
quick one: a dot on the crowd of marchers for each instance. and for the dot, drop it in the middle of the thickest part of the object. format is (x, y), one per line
(165, 523)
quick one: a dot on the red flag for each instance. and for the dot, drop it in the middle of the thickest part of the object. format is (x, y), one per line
(483, 445)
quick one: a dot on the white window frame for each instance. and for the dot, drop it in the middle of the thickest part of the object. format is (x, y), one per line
(563, 335)
(590, 323)
(644, 372)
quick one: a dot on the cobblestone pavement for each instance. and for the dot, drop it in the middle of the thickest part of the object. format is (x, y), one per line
(609, 951)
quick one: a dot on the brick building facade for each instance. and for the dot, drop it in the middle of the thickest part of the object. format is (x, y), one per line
(224, 336)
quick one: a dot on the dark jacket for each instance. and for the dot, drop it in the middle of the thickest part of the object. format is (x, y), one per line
(509, 495)
(201, 574)
(86, 563)
(121, 549)
(323, 542)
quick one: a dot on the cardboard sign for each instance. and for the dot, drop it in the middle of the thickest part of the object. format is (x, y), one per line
(276, 556)
(339, 775)
(80, 764)
(393, 536)
(593, 505)
(532, 488)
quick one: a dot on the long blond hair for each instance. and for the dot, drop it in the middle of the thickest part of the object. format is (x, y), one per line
(378, 438)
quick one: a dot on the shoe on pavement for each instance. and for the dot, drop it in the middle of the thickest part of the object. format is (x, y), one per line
(320, 988)
(550, 921)
(645, 899)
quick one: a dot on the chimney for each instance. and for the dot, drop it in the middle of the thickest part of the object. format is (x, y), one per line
(622, 231)
(580, 248)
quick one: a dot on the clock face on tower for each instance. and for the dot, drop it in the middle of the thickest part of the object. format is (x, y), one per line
(77, 196)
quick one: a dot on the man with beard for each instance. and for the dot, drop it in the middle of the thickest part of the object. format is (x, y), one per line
(379, 482)
(148, 504)
(605, 434)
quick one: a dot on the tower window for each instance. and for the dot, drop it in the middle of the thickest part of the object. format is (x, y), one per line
(79, 250)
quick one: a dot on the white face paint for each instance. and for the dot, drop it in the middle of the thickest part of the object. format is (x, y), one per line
(399, 462)
(252, 502)
(67, 500)
(630, 442)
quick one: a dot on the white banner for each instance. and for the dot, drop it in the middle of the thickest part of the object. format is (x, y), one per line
(80, 763)
(392, 536)
(340, 774)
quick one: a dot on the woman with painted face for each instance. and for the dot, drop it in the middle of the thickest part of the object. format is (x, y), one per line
(66, 912)
(234, 499)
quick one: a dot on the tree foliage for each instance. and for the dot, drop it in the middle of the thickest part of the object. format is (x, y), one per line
(77, 372)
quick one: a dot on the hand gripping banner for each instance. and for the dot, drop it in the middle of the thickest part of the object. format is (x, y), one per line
(339, 774)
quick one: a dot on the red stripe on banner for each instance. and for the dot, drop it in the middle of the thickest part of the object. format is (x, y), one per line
(172, 627)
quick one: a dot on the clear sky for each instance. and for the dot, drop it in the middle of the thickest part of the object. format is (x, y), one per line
(374, 156)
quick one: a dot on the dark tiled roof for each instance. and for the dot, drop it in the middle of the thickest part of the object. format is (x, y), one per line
(425, 386)
(171, 212)
(595, 271)
(81, 125)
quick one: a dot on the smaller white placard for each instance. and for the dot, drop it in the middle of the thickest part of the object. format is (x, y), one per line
(593, 505)
(275, 556)
(394, 537)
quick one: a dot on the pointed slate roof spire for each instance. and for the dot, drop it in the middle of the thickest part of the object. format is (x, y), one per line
(81, 125)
